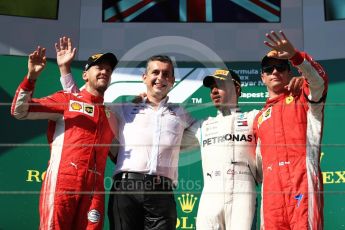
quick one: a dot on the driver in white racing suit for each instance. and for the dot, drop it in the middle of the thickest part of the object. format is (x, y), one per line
(228, 158)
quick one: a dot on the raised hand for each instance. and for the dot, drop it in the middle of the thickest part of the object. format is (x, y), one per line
(65, 54)
(36, 63)
(283, 47)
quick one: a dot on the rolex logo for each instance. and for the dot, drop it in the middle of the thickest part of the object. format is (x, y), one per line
(187, 202)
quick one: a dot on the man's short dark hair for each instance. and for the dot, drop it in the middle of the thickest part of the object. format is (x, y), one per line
(161, 58)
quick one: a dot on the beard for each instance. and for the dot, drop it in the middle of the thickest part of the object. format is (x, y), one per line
(99, 87)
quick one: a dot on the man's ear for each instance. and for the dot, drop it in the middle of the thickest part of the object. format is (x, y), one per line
(85, 76)
(172, 82)
(143, 77)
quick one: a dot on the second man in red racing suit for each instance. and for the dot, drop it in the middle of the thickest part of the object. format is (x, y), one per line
(79, 135)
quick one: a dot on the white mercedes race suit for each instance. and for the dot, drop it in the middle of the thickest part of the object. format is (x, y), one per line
(229, 171)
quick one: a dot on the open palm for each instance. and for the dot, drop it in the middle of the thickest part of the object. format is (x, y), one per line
(283, 47)
(37, 61)
(64, 51)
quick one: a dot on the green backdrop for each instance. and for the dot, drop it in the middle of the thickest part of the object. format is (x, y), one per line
(24, 152)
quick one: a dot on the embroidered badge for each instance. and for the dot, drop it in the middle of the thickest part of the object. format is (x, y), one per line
(264, 116)
(89, 109)
(93, 216)
(107, 113)
(289, 99)
(299, 198)
(75, 106)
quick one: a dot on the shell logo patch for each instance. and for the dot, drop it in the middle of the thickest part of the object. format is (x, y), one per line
(76, 106)
(81, 107)
(94, 216)
(289, 99)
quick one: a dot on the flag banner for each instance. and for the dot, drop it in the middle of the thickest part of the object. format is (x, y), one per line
(191, 11)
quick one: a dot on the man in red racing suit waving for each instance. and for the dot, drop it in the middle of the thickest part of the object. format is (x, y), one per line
(289, 131)
(79, 134)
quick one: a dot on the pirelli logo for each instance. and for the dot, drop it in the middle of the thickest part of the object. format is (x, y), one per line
(221, 72)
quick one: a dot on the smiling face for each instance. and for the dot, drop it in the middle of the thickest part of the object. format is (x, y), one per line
(159, 79)
(276, 75)
(97, 78)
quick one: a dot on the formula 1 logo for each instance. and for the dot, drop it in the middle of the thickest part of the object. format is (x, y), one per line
(127, 81)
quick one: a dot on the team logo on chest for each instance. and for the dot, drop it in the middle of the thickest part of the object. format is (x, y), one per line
(138, 109)
(264, 116)
(107, 112)
(81, 107)
(242, 120)
(288, 100)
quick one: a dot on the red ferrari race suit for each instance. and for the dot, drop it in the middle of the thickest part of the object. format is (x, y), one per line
(79, 134)
(289, 131)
